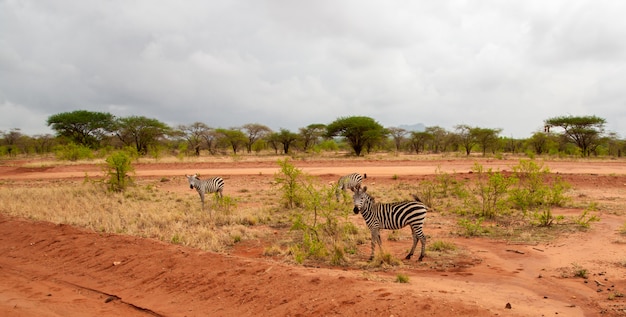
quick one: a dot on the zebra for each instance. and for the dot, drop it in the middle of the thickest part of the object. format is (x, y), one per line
(209, 185)
(350, 181)
(394, 216)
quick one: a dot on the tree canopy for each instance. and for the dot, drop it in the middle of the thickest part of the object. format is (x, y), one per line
(233, 137)
(255, 131)
(82, 127)
(140, 132)
(357, 130)
(584, 131)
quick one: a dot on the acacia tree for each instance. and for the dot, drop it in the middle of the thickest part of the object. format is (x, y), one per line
(311, 134)
(210, 137)
(194, 134)
(10, 139)
(141, 132)
(398, 136)
(233, 137)
(255, 132)
(358, 131)
(438, 138)
(485, 137)
(286, 138)
(465, 137)
(539, 142)
(82, 127)
(419, 140)
(585, 132)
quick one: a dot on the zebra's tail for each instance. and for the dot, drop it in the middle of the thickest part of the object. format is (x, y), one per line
(364, 176)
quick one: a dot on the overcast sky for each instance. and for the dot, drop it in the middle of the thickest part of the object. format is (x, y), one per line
(287, 64)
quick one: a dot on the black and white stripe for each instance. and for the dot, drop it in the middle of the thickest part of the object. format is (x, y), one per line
(209, 185)
(350, 181)
(392, 216)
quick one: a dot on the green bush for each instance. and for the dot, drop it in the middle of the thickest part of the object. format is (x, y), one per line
(402, 278)
(491, 189)
(118, 165)
(441, 246)
(287, 179)
(73, 152)
(472, 228)
(534, 195)
(585, 219)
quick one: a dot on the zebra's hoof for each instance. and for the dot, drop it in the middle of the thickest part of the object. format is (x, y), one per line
(408, 257)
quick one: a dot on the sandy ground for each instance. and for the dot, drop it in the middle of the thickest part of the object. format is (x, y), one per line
(57, 270)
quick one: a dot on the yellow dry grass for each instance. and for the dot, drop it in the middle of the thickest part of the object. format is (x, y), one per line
(141, 211)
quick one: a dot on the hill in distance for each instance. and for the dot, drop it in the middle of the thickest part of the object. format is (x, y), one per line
(413, 127)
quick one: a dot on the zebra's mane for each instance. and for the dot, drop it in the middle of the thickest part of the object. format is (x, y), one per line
(392, 203)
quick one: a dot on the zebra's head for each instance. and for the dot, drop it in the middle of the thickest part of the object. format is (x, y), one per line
(192, 179)
(361, 198)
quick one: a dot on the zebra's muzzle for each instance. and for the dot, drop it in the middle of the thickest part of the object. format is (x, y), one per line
(191, 186)
(356, 210)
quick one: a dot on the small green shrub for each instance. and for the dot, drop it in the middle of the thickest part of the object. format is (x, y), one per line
(384, 258)
(441, 246)
(585, 219)
(117, 167)
(288, 182)
(491, 189)
(402, 278)
(533, 191)
(579, 271)
(472, 228)
(176, 239)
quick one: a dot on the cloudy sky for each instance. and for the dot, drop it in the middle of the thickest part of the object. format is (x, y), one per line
(287, 64)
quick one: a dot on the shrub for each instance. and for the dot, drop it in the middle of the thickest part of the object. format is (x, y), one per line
(472, 228)
(491, 189)
(287, 180)
(402, 278)
(585, 219)
(118, 165)
(73, 152)
(441, 246)
(533, 191)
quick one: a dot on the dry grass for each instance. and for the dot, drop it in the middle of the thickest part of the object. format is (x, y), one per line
(141, 211)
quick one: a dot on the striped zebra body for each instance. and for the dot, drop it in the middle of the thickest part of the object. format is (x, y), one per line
(350, 181)
(209, 185)
(393, 216)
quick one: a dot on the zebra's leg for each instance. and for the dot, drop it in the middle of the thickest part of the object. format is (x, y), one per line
(375, 240)
(408, 256)
(202, 199)
(423, 239)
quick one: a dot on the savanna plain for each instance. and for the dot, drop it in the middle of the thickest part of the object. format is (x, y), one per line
(69, 247)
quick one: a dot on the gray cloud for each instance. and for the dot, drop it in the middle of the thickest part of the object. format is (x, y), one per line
(288, 64)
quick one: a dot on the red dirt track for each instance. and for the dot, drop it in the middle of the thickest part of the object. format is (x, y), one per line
(58, 270)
